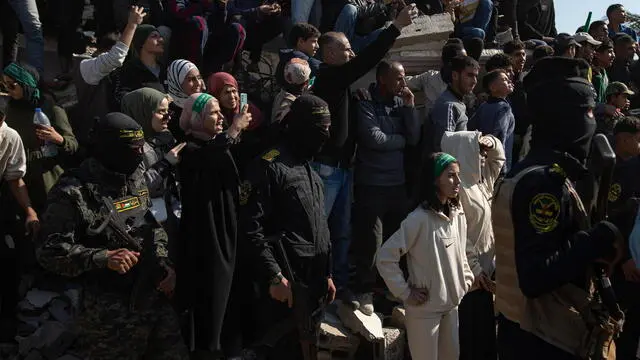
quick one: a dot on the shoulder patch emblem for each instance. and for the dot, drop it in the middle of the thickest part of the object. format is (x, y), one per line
(557, 169)
(272, 154)
(614, 192)
(245, 192)
(544, 210)
(127, 204)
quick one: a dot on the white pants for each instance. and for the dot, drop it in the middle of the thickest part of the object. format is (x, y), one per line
(434, 336)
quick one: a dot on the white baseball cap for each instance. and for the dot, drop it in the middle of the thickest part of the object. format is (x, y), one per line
(583, 36)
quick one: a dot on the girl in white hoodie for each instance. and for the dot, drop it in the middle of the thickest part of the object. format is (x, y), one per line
(433, 237)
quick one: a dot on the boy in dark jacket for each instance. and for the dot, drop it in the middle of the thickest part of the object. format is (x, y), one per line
(303, 40)
(495, 117)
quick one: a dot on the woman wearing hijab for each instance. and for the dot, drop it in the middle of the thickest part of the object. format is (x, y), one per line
(225, 88)
(205, 260)
(44, 167)
(150, 108)
(183, 80)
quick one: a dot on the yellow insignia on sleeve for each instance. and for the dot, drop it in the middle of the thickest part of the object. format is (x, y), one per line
(245, 192)
(269, 156)
(557, 169)
(544, 210)
(614, 192)
(127, 204)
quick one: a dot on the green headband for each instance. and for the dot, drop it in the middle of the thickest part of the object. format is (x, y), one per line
(200, 102)
(442, 162)
(23, 77)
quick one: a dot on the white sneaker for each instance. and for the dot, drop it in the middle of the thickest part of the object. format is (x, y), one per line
(366, 303)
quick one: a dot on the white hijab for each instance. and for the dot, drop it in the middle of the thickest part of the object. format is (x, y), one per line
(176, 73)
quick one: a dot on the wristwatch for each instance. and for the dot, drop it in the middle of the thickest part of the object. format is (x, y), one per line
(276, 280)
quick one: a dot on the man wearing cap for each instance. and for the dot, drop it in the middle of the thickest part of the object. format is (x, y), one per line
(566, 46)
(296, 81)
(282, 201)
(602, 60)
(546, 249)
(587, 46)
(616, 107)
(98, 230)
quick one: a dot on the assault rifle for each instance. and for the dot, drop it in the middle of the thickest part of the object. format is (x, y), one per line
(148, 273)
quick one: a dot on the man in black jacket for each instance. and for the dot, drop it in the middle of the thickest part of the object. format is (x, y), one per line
(536, 20)
(341, 69)
(282, 201)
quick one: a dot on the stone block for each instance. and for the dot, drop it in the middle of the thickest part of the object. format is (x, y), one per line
(393, 346)
(425, 29)
(333, 335)
(398, 315)
(370, 327)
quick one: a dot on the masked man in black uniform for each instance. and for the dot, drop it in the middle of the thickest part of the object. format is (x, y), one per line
(283, 202)
(546, 248)
(98, 230)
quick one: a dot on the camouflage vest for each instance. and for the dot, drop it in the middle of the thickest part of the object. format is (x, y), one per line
(569, 317)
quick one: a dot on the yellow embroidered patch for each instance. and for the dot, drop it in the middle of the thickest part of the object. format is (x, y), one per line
(131, 134)
(126, 204)
(556, 169)
(614, 192)
(143, 193)
(269, 156)
(544, 210)
(245, 192)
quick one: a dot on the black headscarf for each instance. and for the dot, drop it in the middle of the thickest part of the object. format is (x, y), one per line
(116, 142)
(560, 99)
(307, 123)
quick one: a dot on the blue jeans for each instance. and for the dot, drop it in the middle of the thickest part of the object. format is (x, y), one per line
(306, 11)
(338, 183)
(27, 13)
(476, 27)
(346, 24)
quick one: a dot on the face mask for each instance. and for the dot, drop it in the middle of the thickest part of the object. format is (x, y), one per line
(120, 158)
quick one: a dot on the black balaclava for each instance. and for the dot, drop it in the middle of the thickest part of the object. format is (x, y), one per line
(306, 125)
(560, 99)
(116, 142)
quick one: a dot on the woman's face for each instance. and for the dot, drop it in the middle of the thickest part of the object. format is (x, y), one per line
(214, 120)
(13, 88)
(448, 183)
(229, 98)
(160, 119)
(192, 82)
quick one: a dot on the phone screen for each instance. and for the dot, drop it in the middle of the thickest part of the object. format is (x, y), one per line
(243, 100)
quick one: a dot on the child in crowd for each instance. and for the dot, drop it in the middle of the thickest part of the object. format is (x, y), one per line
(433, 237)
(303, 40)
(494, 117)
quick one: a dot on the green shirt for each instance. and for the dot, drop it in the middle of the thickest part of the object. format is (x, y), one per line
(600, 83)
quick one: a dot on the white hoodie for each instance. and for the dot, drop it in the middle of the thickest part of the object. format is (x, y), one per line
(476, 193)
(434, 245)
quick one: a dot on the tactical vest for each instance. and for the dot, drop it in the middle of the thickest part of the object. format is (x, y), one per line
(569, 318)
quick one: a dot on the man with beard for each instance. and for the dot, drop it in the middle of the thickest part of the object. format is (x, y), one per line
(282, 207)
(98, 230)
(546, 247)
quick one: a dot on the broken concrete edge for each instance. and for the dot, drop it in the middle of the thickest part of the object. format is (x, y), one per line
(370, 327)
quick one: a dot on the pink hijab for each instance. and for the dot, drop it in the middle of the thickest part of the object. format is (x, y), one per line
(193, 114)
(216, 83)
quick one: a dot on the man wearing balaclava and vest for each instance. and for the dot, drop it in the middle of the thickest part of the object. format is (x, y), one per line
(546, 248)
(283, 201)
(98, 231)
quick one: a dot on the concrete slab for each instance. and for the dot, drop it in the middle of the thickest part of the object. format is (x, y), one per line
(370, 327)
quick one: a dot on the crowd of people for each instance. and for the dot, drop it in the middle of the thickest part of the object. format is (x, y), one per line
(199, 221)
